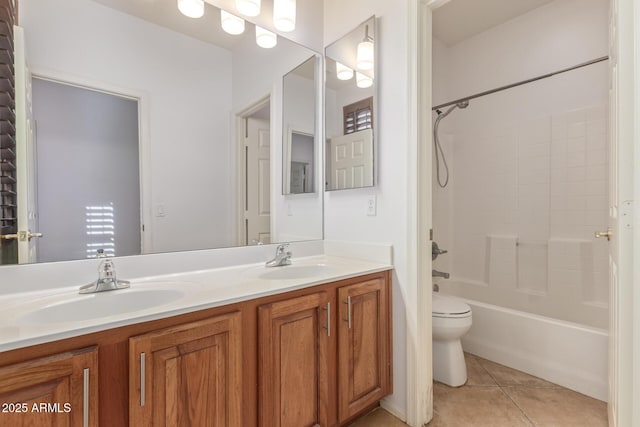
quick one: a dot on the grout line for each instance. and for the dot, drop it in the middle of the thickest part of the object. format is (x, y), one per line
(517, 406)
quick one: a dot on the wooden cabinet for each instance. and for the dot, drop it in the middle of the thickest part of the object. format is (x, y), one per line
(317, 356)
(293, 338)
(364, 340)
(325, 358)
(187, 375)
(58, 390)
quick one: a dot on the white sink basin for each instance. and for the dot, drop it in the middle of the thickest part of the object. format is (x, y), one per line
(101, 304)
(296, 272)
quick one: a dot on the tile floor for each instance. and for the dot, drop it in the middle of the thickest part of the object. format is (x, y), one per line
(498, 396)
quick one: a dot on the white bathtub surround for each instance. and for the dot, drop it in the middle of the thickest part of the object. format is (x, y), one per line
(565, 353)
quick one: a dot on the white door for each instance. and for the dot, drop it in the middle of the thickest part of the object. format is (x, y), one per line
(258, 195)
(25, 156)
(623, 340)
(351, 162)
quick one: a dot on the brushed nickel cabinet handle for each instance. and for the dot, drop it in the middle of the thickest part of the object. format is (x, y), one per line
(328, 327)
(85, 399)
(143, 378)
(348, 312)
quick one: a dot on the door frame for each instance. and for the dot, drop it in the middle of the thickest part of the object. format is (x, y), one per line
(144, 152)
(624, 348)
(419, 376)
(238, 126)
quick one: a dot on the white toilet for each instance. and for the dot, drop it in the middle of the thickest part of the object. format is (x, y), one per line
(451, 320)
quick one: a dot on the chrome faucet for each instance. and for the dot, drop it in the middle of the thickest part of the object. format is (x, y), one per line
(107, 280)
(282, 257)
(436, 273)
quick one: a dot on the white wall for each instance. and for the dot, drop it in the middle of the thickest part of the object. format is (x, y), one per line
(345, 211)
(528, 165)
(185, 87)
(293, 217)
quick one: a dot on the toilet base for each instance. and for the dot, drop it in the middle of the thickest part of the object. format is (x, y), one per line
(449, 366)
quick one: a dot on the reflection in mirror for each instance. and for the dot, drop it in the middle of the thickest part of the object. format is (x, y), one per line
(145, 148)
(350, 109)
(298, 129)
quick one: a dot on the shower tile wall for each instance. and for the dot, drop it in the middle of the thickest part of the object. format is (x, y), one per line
(529, 178)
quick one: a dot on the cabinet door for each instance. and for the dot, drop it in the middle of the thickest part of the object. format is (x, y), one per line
(292, 345)
(364, 369)
(60, 390)
(187, 375)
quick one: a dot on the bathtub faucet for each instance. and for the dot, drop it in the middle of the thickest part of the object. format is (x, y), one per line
(436, 273)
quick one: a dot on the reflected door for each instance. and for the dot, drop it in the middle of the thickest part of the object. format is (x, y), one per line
(351, 164)
(258, 161)
(25, 157)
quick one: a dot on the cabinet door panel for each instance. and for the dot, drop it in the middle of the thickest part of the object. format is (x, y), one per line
(59, 390)
(363, 346)
(191, 375)
(293, 365)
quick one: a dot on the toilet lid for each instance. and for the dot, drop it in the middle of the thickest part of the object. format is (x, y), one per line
(444, 306)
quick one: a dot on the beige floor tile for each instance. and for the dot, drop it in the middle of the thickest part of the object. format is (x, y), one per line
(510, 377)
(559, 407)
(476, 374)
(474, 406)
(378, 418)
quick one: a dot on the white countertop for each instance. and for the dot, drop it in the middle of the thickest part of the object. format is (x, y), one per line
(199, 290)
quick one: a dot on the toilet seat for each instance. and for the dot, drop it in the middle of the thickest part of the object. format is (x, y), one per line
(446, 307)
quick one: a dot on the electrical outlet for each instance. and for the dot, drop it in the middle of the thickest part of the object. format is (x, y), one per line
(372, 205)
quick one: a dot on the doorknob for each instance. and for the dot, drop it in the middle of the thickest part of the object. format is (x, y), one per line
(22, 236)
(606, 234)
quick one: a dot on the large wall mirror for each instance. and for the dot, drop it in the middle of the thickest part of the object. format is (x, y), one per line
(154, 132)
(350, 109)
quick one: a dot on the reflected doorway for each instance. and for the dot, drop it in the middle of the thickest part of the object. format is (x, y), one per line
(87, 160)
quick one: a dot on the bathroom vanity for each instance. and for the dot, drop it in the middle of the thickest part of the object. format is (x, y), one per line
(307, 344)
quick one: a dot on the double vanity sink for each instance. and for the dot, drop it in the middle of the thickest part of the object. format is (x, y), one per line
(37, 317)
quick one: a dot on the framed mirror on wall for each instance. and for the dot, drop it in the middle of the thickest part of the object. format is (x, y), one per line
(350, 109)
(181, 85)
(299, 147)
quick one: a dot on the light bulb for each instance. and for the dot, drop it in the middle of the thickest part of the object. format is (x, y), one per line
(231, 23)
(191, 8)
(365, 55)
(248, 7)
(265, 38)
(363, 81)
(284, 15)
(343, 72)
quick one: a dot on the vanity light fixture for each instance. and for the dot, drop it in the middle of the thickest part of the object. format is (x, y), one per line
(248, 7)
(343, 72)
(284, 15)
(363, 81)
(231, 24)
(191, 8)
(364, 54)
(265, 38)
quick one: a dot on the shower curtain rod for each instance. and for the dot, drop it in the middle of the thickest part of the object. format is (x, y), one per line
(488, 92)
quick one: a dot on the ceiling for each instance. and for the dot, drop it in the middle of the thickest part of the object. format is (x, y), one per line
(166, 14)
(458, 20)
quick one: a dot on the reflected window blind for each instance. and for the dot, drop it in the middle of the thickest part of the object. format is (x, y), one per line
(358, 116)
(8, 197)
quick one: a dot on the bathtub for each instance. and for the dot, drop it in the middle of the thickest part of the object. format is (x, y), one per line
(565, 353)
